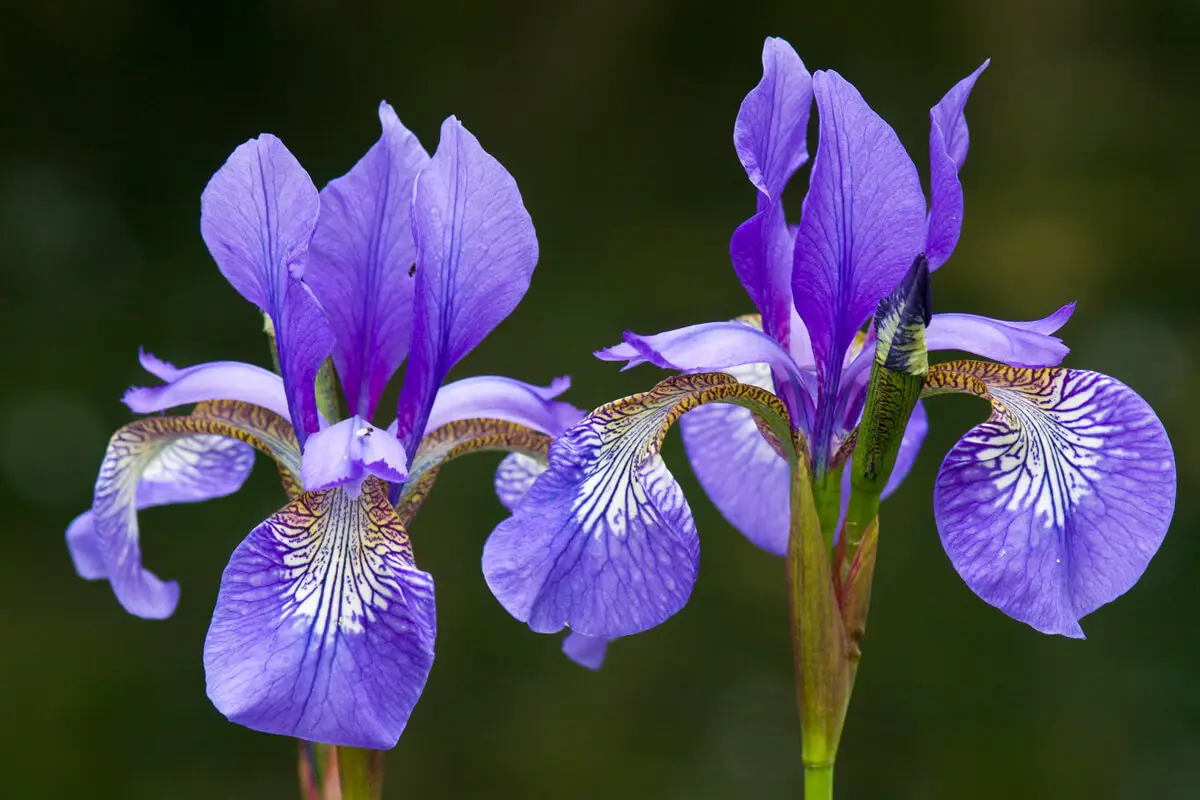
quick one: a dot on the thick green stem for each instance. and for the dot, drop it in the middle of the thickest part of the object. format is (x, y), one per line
(818, 782)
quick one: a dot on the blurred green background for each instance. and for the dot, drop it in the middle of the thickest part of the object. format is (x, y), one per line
(616, 120)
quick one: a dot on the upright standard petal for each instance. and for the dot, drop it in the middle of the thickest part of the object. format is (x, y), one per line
(476, 250)
(1018, 344)
(862, 224)
(948, 142)
(324, 627)
(155, 461)
(360, 259)
(1055, 505)
(743, 475)
(216, 380)
(604, 540)
(769, 136)
(257, 216)
(496, 397)
(346, 453)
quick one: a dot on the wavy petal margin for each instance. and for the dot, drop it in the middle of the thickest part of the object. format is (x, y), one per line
(1055, 505)
(324, 627)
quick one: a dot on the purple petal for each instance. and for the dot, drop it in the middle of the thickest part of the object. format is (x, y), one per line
(761, 252)
(743, 475)
(1056, 504)
(772, 123)
(257, 216)
(476, 250)
(153, 461)
(948, 141)
(217, 380)
(604, 540)
(324, 627)
(515, 476)
(495, 397)
(1020, 344)
(862, 224)
(348, 452)
(586, 651)
(910, 446)
(360, 259)
(163, 370)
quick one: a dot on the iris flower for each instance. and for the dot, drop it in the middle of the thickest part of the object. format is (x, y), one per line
(1048, 510)
(324, 625)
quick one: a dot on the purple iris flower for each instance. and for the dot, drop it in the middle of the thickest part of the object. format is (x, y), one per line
(1051, 508)
(324, 626)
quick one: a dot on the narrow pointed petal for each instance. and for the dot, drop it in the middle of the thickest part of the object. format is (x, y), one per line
(604, 541)
(360, 258)
(1055, 505)
(163, 370)
(761, 252)
(324, 627)
(217, 380)
(257, 216)
(743, 475)
(495, 397)
(772, 123)
(514, 477)
(862, 224)
(1018, 344)
(476, 250)
(948, 142)
(350, 451)
(586, 651)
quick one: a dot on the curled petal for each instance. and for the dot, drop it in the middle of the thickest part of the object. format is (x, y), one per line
(1018, 344)
(154, 461)
(217, 380)
(257, 216)
(348, 452)
(586, 651)
(495, 397)
(604, 541)
(862, 224)
(948, 142)
(1055, 505)
(87, 552)
(324, 627)
(746, 479)
(514, 476)
(476, 250)
(360, 259)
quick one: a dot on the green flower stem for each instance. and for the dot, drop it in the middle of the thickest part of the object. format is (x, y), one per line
(827, 494)
(818, 782)
(361, 773)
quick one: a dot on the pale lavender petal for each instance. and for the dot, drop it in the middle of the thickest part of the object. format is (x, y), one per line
(948, 142)
(350, 451)
(217, 380)
(495, 397)
(515, 476)
(153, 461)
(862, 224)
(359, 263)
(257, 216)
(324, 627)
(743, 475)
(1055, 505)
(772, 123)
(163, 370)
(1020, 344)
(586, 651)
(604, 541)
(476, 250)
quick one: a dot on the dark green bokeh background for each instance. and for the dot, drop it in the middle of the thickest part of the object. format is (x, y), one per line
(616, 120)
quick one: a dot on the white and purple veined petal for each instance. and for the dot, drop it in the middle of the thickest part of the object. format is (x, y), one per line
(1018, 344)
(349, 451)
(324, 627)
(257, 216)
(216, 380)
(360, 259)
(948, 143)
(476, 251)
(770, 138)
(1055, 505)
(863, 220)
